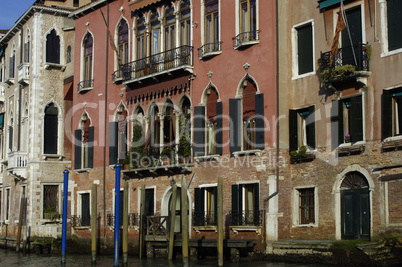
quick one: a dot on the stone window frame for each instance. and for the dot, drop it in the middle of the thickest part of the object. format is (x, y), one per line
(296, 204)
(295, 64)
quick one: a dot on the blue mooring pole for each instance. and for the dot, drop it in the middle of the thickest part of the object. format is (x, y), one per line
(117, 214)
(64, 230)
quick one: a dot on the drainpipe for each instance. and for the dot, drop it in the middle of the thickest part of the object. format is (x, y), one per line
(106, 126)
(277, 122)
(19, 93)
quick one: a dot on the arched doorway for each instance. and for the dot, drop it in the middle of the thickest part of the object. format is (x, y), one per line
(167, 204)
(177, 224)
(355, 206)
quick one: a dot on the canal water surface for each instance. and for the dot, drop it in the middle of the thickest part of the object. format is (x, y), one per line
(11, 258)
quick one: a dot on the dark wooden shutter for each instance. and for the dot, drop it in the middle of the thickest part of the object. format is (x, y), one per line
(336, 123)
(149, 202)
(91, 137)
(235, 124)
(85, 210)
(215, 192)
(394, 17)
(257, 204)
(236, 211)
(50, 138)
(113, 142)
(259, 122)
(305, 48)
(219, 128)
(356, 120)
(386, 114)
(123, 145)
(199, 209)
(310, 127)
(77, 149)
(199, 131)
(10, 138)
(293, 142)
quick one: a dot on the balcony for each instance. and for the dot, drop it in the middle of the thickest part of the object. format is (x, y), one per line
(251, 220)
(23, 73)
(17, 164)
(133, 220)
(165, 63)
(2, 91)
(209, 50)
(85, 86)
(246, 39)
(158, 161)
(351, 62)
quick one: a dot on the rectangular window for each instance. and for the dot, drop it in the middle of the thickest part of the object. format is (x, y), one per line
(248, 17)
(205, 206)
(85, 209)
(212, 25)
(392, 113)
(51, 202)
(306, 206)
(305, 58)
(27, 49)
(245, 205)
(302, 128)
(12, 67)
(149, 201)
(7, 215)
(394, 20)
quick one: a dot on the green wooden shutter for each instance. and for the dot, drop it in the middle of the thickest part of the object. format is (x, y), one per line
(91, 137)
(394, 17)
(386, 114)
(235, 124)
(199, 208)
(259, 122)
(256, 203)
(356, 123)
(113, 142)
(336, 123)
(310, 127)
(77, 149)
(293, 143)
(215, 192)
(199, 131)
(219, 129)
(305, 48)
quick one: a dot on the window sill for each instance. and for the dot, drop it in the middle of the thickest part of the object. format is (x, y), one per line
(392, 143)
(10, 81)
(347, 149)
(246, 44)
(207, 158)
(82, 170)
(198, 229)
(256, 152)
(118, 80)
(237, 229)
(52, 156)
(46, 221)
(304, 75)
(305, 225)
(82, 227)
(391, 53)
(210, 54)
(86, 89)
(49, 65)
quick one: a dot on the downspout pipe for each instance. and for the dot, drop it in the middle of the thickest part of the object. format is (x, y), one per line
(277, 113)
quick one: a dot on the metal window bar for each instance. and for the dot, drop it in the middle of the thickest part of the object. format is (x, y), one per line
(163, 61)
(76, 221)
(246, 37)
(85, 84)
(342, 58)
(243, 218)
(209, 48)
(205, 219)
(50, 200)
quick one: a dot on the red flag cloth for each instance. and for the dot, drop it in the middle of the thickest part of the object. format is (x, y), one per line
(340, 25)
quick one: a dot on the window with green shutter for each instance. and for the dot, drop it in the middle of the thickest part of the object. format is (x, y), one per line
(394, 20)
(302, 128)
(391, 113)
(305, 48)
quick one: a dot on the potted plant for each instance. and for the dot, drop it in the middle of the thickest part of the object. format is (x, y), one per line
(301, 155)
(166, 155)
(347, 138)
(184, 149)
(137, 149)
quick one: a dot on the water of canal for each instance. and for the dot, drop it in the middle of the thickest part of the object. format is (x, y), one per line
(11, 258)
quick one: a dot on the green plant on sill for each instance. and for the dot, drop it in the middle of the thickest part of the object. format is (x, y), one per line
(184, 149)
(342, 71)
(368, 50)
(301, 152)
(138, 146)
(166, 152)
(51, 214)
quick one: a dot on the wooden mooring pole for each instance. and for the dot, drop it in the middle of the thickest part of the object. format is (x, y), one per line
(20, 222)
(142, 221)
(94, 213)
(125, 224)
(220, 222)
(172, 222)
(184, 218)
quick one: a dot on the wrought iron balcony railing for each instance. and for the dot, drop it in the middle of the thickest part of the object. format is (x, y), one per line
(133, 220)
(205, 219)
(209, 48)
(357, 55)
(246, 218)
(246, 38)
(85, 85)
(164, 61)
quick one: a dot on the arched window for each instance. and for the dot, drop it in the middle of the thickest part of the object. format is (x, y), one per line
(12, 64)
(123, 42)
(118, 137)
(211, 120)
(138, 129)
(141, 42)
(84, 144)
(27, 48)
(155, 126)
(156, 32)
(249, 92)
(185, 27)
(169, 125)
(68, 57)
(50, 130)
(170, 22)
(53, 48)
(88, 51)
